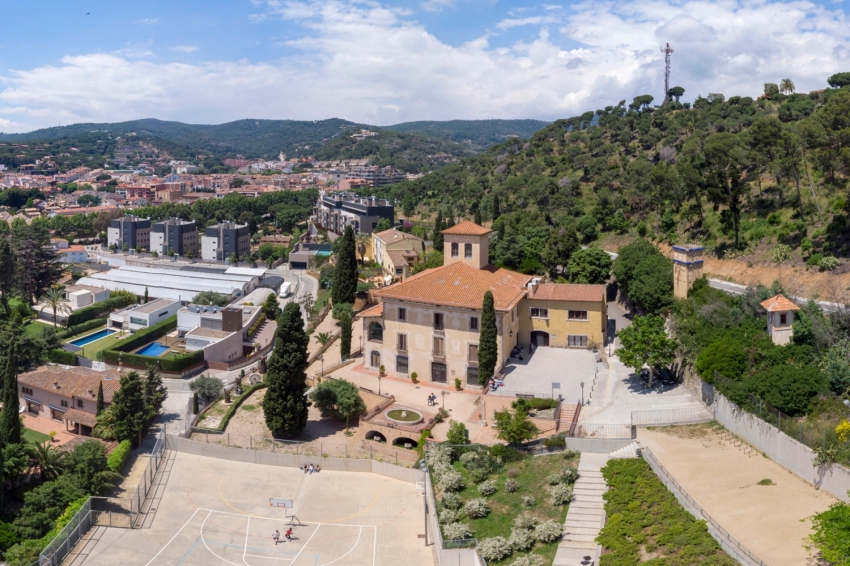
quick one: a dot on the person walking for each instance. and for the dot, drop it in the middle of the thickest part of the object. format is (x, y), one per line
(276, 536)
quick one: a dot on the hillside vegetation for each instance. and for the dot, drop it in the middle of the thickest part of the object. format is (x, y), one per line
(729, 173)
(476, 134)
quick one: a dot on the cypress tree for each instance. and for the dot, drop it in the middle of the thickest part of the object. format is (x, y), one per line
(477, 217)
(146, 295)
(10, 424)
(487, 348)
(284, 404)
(345, 324)
(195, 408)
(438, 229)
(7, 272)
(2, 480)
(497, 210)
(101, 404)
(345, 275)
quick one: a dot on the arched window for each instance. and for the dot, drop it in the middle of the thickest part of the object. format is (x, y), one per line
(376, 359)
(376, 332)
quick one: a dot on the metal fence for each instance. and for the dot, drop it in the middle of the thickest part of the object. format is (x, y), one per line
(676, 416)
(68, 537)
(609, 431)
(157, 458)
(727, 541)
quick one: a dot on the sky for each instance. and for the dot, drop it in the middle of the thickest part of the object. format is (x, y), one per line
(388, 61)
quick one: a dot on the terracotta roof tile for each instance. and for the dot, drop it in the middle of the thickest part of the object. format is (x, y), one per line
(80, 417)
(73, 381)
(560, 292)
(393, 235)
(373, 311)
(779, 303)
(399, 257)
(460, 285)
(467, 228)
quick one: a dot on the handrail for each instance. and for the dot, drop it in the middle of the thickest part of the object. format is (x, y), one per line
(574, 424)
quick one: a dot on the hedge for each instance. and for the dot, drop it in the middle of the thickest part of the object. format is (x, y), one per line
(116, 460)
(63, 357)
(82, 327)
(138, 339)
(99, 309)
(237, 402)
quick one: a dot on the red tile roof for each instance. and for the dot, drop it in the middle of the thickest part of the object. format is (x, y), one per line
(375, 311)
(467, 228)
(779, 303)
(393, 235)
(559, 292)
(72, 381)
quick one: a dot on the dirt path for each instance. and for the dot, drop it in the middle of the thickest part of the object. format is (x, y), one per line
(724, 480)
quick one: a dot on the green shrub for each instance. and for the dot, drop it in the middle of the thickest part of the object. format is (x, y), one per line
(7, 536)
(828, 263)
(115, 461)
(116, 301)
(487, 488)
(814, 260)
(506, 453)
(537, 403)
(511, 486)
(257, 324)
(555, 442)
(63, 357)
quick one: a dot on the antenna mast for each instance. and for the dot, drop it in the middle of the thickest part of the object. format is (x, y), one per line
(667, 52)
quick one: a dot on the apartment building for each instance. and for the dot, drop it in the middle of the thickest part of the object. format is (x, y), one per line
(224, 240)
(174, 234)
(377, 176)
(335, 211)
(130, 231)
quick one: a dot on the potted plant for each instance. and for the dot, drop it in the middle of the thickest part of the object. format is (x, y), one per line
(414, 377)
(457, 384)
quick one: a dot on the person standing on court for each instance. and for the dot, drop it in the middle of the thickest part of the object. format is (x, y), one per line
(276, 536)
(289, 533)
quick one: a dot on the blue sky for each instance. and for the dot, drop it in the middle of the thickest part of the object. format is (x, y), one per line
(388, 61)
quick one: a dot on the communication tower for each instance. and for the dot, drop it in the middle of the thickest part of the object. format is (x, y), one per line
(667, 51)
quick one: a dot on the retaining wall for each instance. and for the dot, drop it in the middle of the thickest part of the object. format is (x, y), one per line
(603, 445)
(187, 446)
(781, 448)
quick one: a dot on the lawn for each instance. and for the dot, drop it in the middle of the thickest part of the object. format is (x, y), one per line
(91, 350)
(34, 329)
(531, 473)
(322, 298)
(34, 436)
(646, 523)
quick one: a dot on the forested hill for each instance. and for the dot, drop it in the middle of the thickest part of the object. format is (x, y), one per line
(721, 171)
(412, 147)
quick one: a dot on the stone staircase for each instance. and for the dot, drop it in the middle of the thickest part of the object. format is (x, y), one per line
(586, 515)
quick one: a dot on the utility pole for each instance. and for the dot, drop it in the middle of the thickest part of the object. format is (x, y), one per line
(667, 52)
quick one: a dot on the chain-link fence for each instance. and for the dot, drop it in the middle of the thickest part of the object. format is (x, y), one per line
(157, 459)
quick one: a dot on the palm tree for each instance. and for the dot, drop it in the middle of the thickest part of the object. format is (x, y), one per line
(49, 460)
(323, 338)
(786, 86)
(54, 297)
(362, 241)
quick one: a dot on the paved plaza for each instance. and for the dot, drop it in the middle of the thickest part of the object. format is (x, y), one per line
(216, 512)
(538, 370)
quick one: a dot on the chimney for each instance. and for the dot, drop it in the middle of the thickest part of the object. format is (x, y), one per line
(56, 384)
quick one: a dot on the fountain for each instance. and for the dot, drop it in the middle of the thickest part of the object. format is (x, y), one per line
(404, 416)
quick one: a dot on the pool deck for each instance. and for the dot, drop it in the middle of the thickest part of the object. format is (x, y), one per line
(72, 347)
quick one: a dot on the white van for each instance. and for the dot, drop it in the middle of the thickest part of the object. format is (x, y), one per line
(285, 290)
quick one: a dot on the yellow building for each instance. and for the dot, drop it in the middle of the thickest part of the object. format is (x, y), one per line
(397, 252)
(429, 324)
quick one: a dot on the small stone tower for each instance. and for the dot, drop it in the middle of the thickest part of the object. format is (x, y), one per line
(466, 242)
(687, 268)
(780, 319)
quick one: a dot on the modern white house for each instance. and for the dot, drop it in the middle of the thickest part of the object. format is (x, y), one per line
(144, 316)
(80, 296)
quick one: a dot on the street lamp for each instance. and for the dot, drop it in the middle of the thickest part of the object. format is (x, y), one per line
(322, 359)
(582, 393)
(443, 393)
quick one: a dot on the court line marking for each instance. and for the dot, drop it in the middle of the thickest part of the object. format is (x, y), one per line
(349, 550)
(281, 519)
(208, 547)
(375, 547)
(243, 512)
(244, 550)
(155, 556)
(306, 543)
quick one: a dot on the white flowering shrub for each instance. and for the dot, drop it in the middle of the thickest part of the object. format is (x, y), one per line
(550, 531)
(570, 475)
(561, 494)
(521, 539)
(439, 455)
(528, 560)
(448, 516)
(495, 548)
(457, 531)
(451, 481)
(471, 460)
(487, 488)
(529, 500)
(479, 475)
(477, 508)
(525, 522)
(451, 501)
(511, 486)
(553, 479)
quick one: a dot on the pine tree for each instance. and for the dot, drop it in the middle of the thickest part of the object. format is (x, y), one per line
(345, 324)
(271, 307)
(128, 407)
(155, 391)
(284, 404)
(344, 287)
(488, 352)
(497, 210)
(10, 422)
(438, 229)
(101, 404)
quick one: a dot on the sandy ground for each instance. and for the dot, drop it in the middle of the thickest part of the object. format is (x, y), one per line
(723, 478)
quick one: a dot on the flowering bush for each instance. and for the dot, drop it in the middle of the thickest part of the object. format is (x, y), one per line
(560, 494)
(550, 531)
(521, 539)
(451, 501)
(448, 516)
(512, 486)
(477, 508)
(487, 488)
(843, 431)
(478, 475)
(439, 455)
(494, 548)
(525, 522)
(451, 480)
(528, 560)
(529, 500)
(457, 531)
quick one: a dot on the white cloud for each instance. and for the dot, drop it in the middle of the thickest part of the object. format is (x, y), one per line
(531, 20)
(370, 63)
(184, 48)
(148, 21)
(437, 5)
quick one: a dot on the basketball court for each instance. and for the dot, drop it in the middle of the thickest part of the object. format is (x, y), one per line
(217, 512)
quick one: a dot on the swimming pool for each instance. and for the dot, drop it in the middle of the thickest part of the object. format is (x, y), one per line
(153, 350)
(92, 337)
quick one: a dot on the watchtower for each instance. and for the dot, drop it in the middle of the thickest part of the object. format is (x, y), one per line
(780, 319)
(687, 268)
